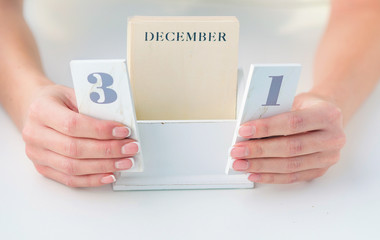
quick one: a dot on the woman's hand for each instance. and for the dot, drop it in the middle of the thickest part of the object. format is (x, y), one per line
(296, 146)
(71, 148)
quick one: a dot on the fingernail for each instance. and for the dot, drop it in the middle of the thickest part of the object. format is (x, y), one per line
(121, 132)
(131, 148)
(124, 164)
(254, 177)
(108, 179)
(240, 165)
(247, 131)
(238, 152)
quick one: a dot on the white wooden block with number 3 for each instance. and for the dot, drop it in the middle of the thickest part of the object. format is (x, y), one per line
(103, 91)
(270, 90)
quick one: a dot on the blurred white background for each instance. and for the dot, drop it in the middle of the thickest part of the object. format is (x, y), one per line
(283, 31)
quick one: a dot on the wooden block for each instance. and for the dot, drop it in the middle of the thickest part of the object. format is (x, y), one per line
(102, 90)
(183, 68)
(184, 154)
(270, 90)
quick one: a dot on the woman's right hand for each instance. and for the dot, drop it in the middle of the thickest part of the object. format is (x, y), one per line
(71, 148)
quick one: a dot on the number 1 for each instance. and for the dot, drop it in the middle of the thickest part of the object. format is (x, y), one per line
(274, 91)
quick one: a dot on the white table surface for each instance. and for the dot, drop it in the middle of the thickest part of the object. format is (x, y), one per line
(343, 204)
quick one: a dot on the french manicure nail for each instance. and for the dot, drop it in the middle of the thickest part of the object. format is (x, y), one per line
(240, 165)
(108, 179)
(131, 148)
(254, 177)
(247, 131)
(124, 164)
(121, 132)
(238, 152)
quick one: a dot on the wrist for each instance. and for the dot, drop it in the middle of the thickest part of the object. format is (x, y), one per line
(18, 93)
(30, 92)
(336, 98)
(323, 93)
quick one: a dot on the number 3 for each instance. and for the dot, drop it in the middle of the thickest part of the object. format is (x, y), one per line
(101, 94)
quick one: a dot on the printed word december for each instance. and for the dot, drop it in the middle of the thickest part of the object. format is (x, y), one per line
(185, 36)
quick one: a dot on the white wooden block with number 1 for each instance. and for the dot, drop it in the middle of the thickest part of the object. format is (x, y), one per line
(103, 91)
(270, 90)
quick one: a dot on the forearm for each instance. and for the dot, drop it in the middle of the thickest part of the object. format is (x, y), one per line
(20, 65)
(347, 63)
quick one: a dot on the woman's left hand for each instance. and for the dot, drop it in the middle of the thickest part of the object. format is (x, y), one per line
(291, 147)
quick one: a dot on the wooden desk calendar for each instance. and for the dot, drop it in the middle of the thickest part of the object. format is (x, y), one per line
(184, 154)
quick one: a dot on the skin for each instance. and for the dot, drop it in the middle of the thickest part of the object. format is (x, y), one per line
(63, 145)
(300, 145)
(307, 141)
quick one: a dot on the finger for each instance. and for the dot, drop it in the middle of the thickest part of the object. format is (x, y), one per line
(83, 148)
(287, 165)
(74, 124)
(313, 118)
(286, 178)
(70, 166)
(289, 146)
(93, 180)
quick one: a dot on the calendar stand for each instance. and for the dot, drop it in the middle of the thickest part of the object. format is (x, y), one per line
(183, 155)
(186, 154)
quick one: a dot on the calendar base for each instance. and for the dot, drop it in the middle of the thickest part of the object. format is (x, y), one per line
(186, 182)
(183, 155)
